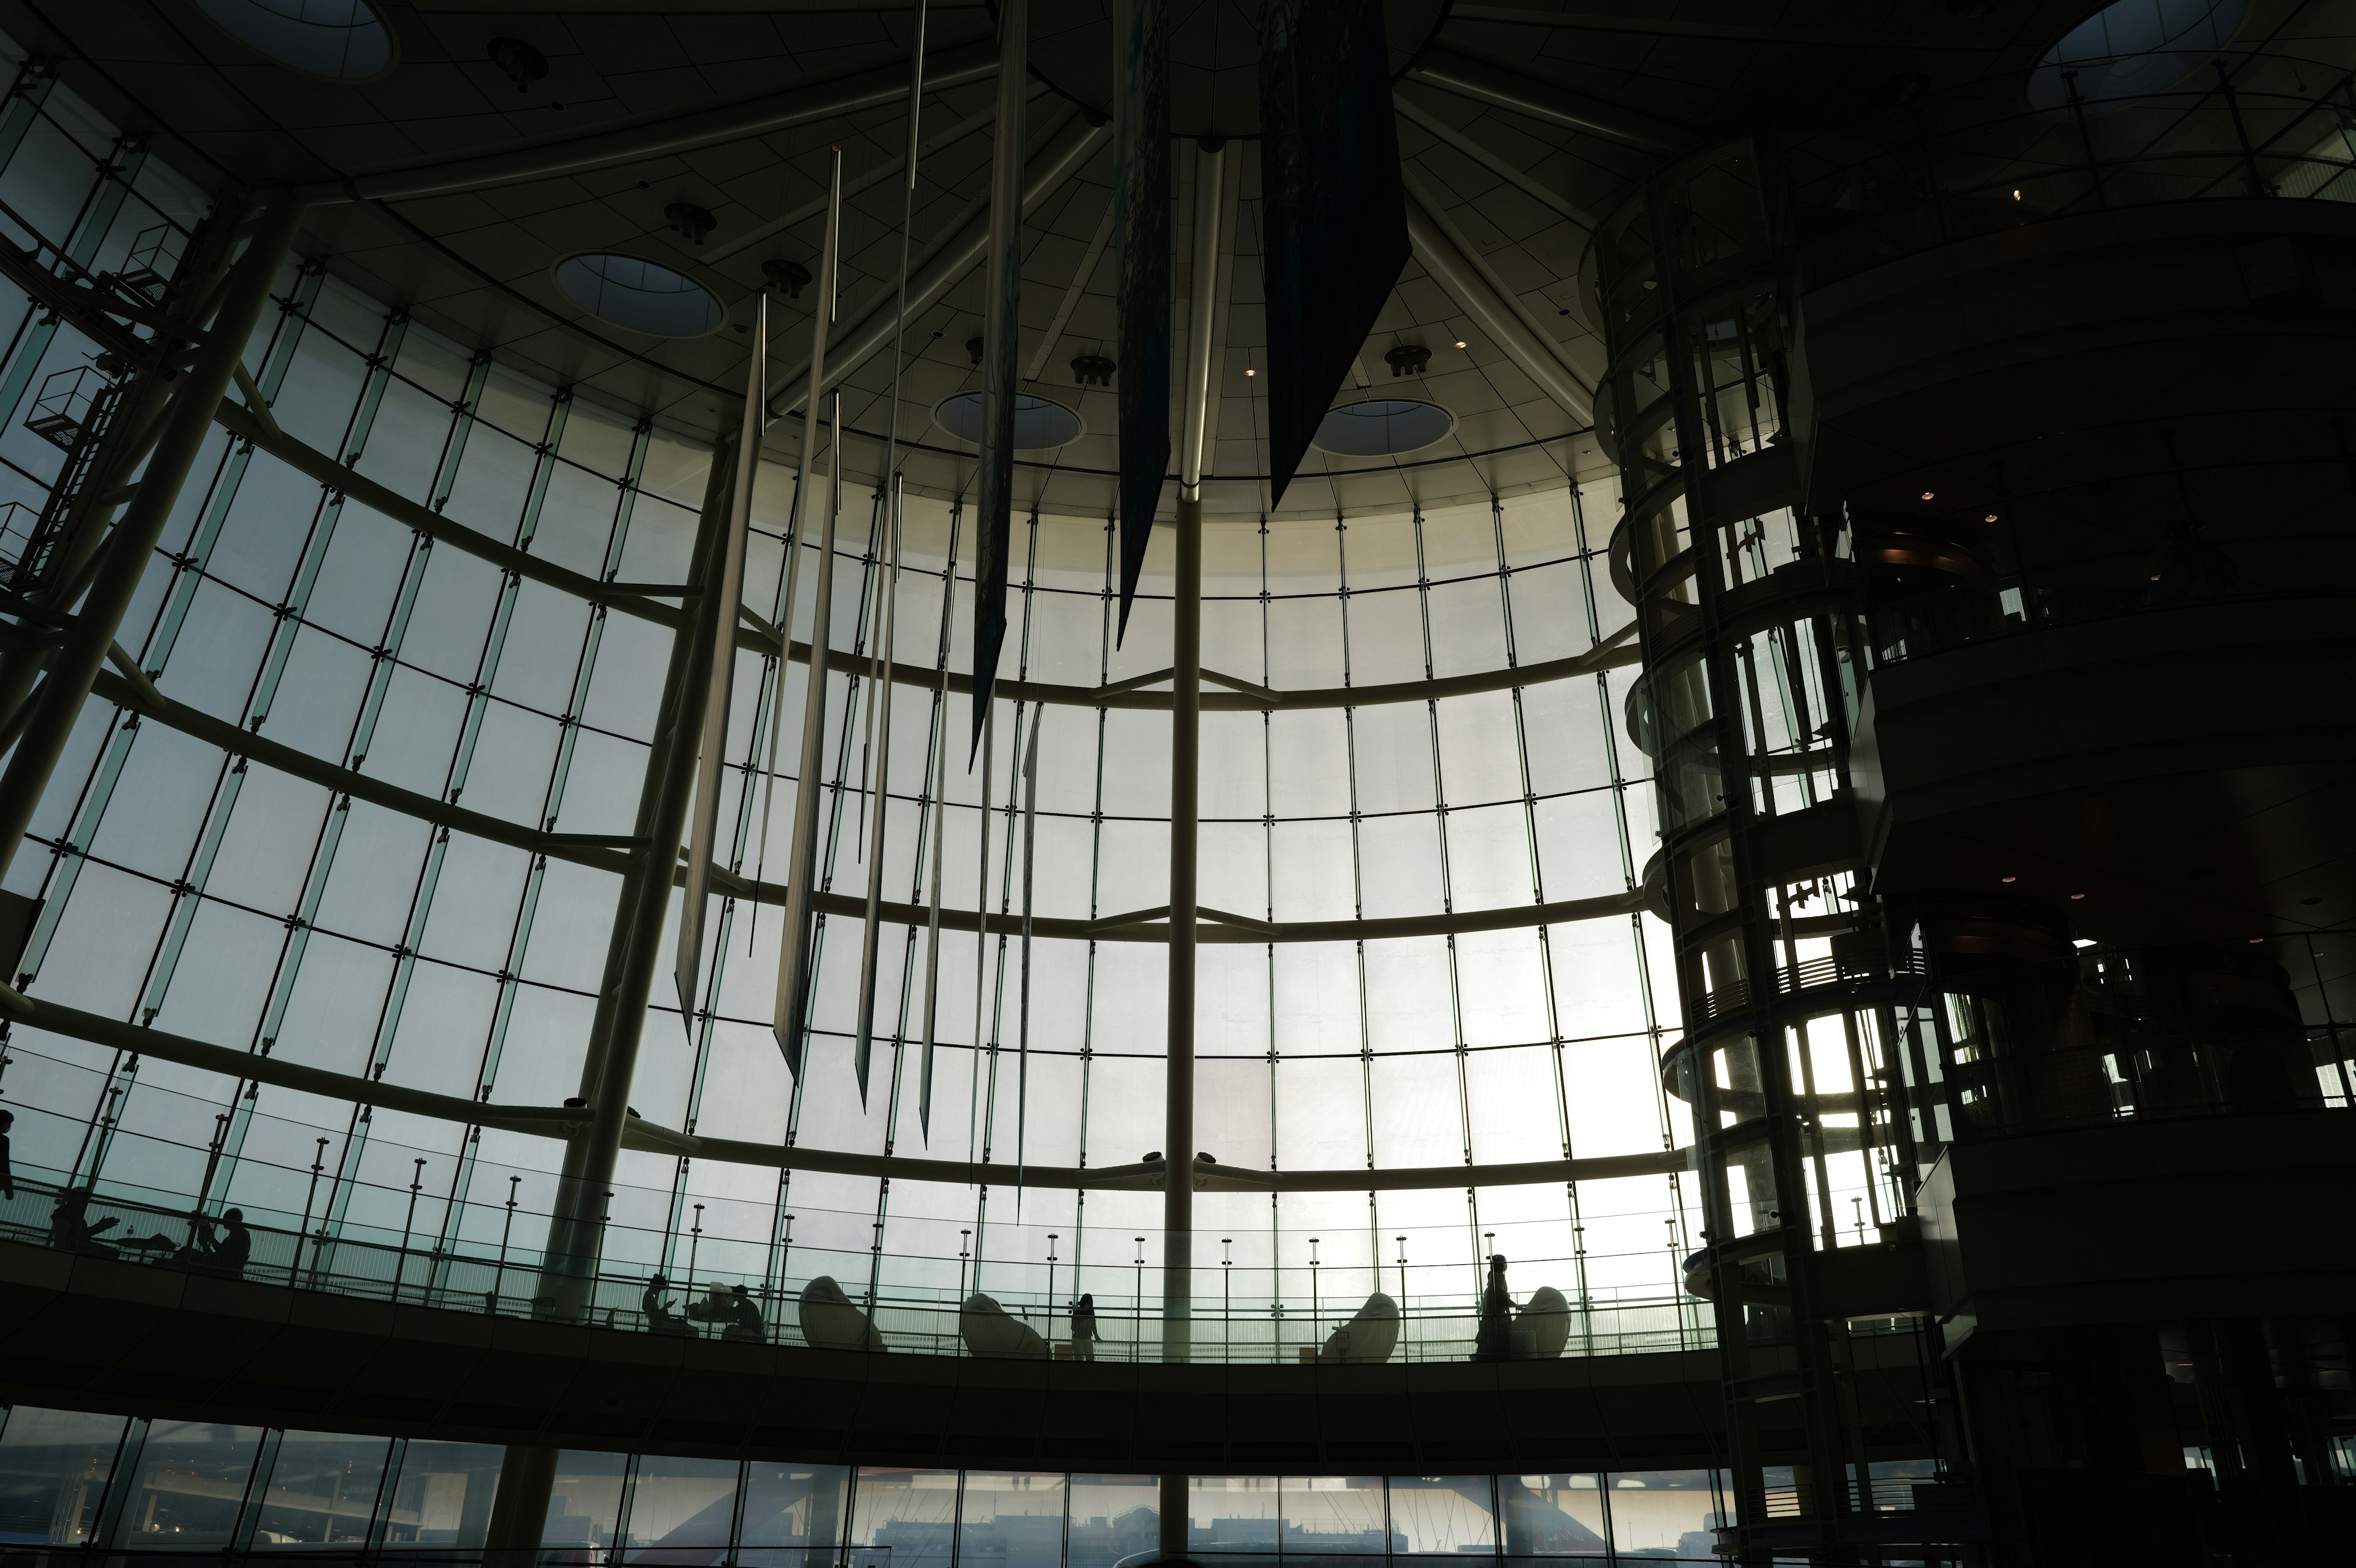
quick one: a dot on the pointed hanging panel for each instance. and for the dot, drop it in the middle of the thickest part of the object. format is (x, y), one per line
(1001, 341)
(1141, 187)
(1335, 209)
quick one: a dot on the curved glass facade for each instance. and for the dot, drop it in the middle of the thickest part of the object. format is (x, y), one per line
(231, 902)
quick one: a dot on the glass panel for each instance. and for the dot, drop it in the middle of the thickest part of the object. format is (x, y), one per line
(1454, 1515)
(793, 1513)
(1113, 1517)
(1552, 1516)
(1338, 1519)
(585, 1503)
(53, 1470)
(682, 1511)
(1667, 1512)
(189, 1484)
(1228, 1515)
(322, 1490)
(443, 1498)
(905, 1519)
(1015, 1519)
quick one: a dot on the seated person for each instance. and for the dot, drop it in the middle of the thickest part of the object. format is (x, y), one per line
(734, 1308)
(69, 1226)
(225, 1254)
(655, 1304)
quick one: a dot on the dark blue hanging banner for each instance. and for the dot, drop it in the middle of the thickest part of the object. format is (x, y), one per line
(1335, 209)
(1141, 186)
(1002, 334)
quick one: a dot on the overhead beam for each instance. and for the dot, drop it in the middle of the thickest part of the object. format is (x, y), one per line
(565, 1121)
(1503, 168)
(949, 262)
(662, 135)
(815, 206)
(1545, 101)
(1472, 286)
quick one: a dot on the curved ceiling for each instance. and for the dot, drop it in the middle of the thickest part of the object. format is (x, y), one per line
(448, 186)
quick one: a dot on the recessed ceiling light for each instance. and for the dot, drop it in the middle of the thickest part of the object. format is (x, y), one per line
(1990, 518)
(2077, 895)
(1248, 372)
(2012, 879)
(1459, 343)
(1927, 494)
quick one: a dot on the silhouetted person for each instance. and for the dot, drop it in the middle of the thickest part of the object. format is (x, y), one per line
(1084, 1328)
(223, 1255)
(1493, 1341)
(743, 1318)
(69, 1226)
(7, 1174)
(655, 1304)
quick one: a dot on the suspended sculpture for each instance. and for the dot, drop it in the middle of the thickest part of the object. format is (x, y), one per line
(1001, 375)
(1334, 209)
(1141, 191)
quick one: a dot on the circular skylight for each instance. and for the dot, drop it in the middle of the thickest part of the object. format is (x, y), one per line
(644, 297)
(343, 40)
(2132, 48)
(1038, 424)
(1383, 428)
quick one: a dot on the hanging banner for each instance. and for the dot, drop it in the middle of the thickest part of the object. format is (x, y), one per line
(1141, 191)
(1333, 203)
(1002, 335)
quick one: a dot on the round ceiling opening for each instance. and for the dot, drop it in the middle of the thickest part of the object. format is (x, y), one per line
(1038, 424)
(1383, 428)
(2131, 48)
(644, 296)
(343, 40)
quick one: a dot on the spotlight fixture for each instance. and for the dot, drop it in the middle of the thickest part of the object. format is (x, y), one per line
(973, 346)
(1250, 372)
(523, 64)
(787, 277)
(689, 221)
(1092, 369)
(1408, 359)
(2015, 195)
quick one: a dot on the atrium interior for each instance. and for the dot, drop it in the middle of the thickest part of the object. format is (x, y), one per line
(1693, 897)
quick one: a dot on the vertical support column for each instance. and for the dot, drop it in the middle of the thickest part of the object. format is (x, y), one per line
(187, 424)
(1185, 748)
(634, 952)
(519, 1507)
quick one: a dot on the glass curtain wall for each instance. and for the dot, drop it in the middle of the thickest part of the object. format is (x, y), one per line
(108, 1483)
(220, 898)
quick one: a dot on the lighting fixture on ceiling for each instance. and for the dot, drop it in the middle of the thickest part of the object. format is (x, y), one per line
(785, 277)
(342, 41)
(1408, 359)
(642, 295)
(522, 64)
